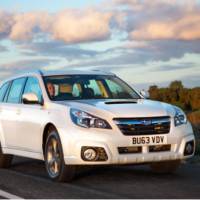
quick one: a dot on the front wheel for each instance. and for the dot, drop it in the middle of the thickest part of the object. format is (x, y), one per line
(165, 166)
(54, 160)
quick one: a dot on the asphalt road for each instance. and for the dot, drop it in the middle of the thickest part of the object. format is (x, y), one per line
(27, 179)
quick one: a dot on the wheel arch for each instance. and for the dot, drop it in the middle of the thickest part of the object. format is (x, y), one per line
(49, 126)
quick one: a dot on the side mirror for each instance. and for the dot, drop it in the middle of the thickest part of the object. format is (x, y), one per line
(145, 94)
(30, 98)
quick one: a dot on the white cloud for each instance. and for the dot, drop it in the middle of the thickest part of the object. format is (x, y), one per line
(73, 26)
(6, 22)
(185, 28)
(26, 25)
(141, 19)
(162, 19)
(70, 26)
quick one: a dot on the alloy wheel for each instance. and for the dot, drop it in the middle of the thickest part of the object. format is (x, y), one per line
(53, 157)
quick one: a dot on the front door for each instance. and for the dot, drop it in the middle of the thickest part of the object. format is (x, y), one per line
(32, 119)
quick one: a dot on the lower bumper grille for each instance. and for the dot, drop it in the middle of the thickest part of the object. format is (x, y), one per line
(127, 150)
(160, 148)
(138, 149)
(144, 126)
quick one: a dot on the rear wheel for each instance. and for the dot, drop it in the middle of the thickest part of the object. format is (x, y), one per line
(54, 160)
(5, 159)
(166, 166)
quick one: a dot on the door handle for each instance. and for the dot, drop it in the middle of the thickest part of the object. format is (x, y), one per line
(18, 112)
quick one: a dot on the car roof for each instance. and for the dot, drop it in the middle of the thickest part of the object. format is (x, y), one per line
(75, 72)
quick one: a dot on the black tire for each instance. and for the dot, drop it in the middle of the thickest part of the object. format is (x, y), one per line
(5, 159)
(61, 173)
(165, 166)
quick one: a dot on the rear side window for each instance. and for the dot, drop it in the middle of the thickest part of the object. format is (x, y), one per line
(3, 90)
(16, 90)
(32, 86)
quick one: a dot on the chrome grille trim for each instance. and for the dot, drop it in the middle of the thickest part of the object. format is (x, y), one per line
(144, 126)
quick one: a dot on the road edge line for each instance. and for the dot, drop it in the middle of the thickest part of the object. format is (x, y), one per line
(8, 195)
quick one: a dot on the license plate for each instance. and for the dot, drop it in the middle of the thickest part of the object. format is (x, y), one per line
(149, 140)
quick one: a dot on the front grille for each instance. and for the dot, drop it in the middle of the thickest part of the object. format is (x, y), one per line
(144, 126)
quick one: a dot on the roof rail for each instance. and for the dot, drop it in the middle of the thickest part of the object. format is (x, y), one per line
(38, 71)
(97, 70)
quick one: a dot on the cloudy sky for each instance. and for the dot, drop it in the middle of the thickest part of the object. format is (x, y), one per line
(144, 42)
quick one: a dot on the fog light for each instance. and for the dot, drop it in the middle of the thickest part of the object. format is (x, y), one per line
(189, 148)
(89, 154)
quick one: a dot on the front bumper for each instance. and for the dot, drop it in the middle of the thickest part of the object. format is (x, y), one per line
(74, 139)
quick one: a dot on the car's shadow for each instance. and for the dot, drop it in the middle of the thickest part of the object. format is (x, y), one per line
(121, 172)
(132, 181)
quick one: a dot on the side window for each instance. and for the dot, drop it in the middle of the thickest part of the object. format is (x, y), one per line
(76, 92)
(94, 86)
(114, 88)
(3, 90)
(17, 86)
(33, 86)
(7, 92)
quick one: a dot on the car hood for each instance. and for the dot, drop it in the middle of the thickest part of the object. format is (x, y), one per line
(122, 108)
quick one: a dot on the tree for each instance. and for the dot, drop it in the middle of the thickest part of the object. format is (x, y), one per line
(176, 85)
(195, 98)
(154, 92)
(187, 99)
(175, 88)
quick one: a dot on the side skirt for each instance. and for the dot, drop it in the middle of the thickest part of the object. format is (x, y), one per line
(23, 153)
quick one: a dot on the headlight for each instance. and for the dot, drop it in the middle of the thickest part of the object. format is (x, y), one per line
(180, 117)
(86, 120)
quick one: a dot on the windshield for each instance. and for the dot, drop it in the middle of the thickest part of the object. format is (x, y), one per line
(80, 87)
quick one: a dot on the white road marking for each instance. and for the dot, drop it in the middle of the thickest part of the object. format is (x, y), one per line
(8, 195)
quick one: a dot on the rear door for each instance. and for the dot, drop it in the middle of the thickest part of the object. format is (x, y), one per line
(3, 90)
(10, 113)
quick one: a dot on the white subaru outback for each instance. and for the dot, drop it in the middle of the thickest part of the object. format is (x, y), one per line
(78, 118)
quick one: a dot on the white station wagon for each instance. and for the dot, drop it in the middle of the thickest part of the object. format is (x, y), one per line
(78, 118)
